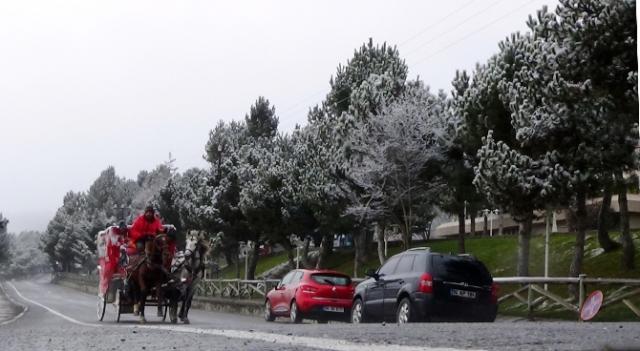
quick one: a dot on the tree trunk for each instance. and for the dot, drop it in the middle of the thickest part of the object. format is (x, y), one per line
(472, 227)
(461, 230)
(628, 249)
(406, 238)
(485, 231)
(360, 245)
(290, 256)
(524, 239)
(578, 254)
(254, 253)
(304, 255)
(603, 219)
(501, 220)
(326, 247)
(379, 233)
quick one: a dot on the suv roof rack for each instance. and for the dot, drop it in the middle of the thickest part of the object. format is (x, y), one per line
(426, 248)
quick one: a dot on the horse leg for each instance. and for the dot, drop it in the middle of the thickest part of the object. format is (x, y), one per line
(160, 298)
(188, 299)
(134, 296)
(182, 305)
(144, 291)
(173, 305)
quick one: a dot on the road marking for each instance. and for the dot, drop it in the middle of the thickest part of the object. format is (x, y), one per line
(304, 341)
(52, 310)
(19, 315)
(290, 340)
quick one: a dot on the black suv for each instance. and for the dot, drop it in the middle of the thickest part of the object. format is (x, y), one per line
(420, 285)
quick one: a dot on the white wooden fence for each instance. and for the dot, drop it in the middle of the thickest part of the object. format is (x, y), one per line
(539, 297)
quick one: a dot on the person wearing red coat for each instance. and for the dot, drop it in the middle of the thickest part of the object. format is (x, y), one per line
(148, 224)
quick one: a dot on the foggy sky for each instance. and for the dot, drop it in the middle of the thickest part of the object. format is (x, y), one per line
(88, 84)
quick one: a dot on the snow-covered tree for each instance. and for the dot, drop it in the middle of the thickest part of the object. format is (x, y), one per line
(367, 60)
(374, 76)
(150, 184)
(5, 240)
(27, 257)
(261, 172)
(69, 242)
(508, 173)
(395, 158)
(223, 154)
(572, 100)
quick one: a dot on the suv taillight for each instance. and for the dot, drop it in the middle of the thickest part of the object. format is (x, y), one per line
(309, 289)
(426, 284)
(494, 292)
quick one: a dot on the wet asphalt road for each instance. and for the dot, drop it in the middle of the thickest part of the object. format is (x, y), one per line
(59, 318)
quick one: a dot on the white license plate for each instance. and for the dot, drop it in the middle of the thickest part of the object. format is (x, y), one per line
(463, 293)
(333, 309)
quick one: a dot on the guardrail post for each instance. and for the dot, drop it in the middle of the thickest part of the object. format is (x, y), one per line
(581, 291)
(529, 302)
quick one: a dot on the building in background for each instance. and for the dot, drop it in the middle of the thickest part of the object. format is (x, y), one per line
(562, 220)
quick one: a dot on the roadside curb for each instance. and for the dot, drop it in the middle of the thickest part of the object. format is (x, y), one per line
(17, 304)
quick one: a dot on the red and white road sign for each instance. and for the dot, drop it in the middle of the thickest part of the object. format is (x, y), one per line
(591, 305)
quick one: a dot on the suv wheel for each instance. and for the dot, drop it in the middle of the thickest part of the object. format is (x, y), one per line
(357, 312)
(404, 312)
(294, 313)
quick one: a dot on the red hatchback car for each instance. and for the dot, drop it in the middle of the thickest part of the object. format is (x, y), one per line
(312, 294)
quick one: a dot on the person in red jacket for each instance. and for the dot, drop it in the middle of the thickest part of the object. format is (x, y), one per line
(148, 224)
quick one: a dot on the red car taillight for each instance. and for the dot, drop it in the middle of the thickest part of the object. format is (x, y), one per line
(426, 283)
(309, 289)
(495, 288)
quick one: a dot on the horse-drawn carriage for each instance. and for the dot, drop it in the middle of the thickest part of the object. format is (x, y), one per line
(127, 278)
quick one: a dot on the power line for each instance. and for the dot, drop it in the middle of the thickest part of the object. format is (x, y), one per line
(437, 36)
(293, 108)
(473, 33)
(296, 106)
(436, 23)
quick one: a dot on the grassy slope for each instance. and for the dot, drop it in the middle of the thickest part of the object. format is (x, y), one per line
(499, 254)
(264, 263)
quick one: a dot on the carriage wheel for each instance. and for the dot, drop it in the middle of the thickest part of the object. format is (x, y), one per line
(102, 305)
(118, 305)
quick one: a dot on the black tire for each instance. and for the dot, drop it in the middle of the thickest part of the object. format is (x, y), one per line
(294, 313)
(102, 306)
(268, 312)
(405, 312)
(357, 312)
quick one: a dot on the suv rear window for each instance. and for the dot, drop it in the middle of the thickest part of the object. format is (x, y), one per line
(331, 279)
(458, 269)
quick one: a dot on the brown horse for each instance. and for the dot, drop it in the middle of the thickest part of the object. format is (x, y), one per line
(151, 273)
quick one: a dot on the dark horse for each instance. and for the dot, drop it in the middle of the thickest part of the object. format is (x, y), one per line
(187, 270)
(150, 273)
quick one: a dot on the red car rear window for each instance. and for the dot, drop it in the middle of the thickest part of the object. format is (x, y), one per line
(331, 279)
